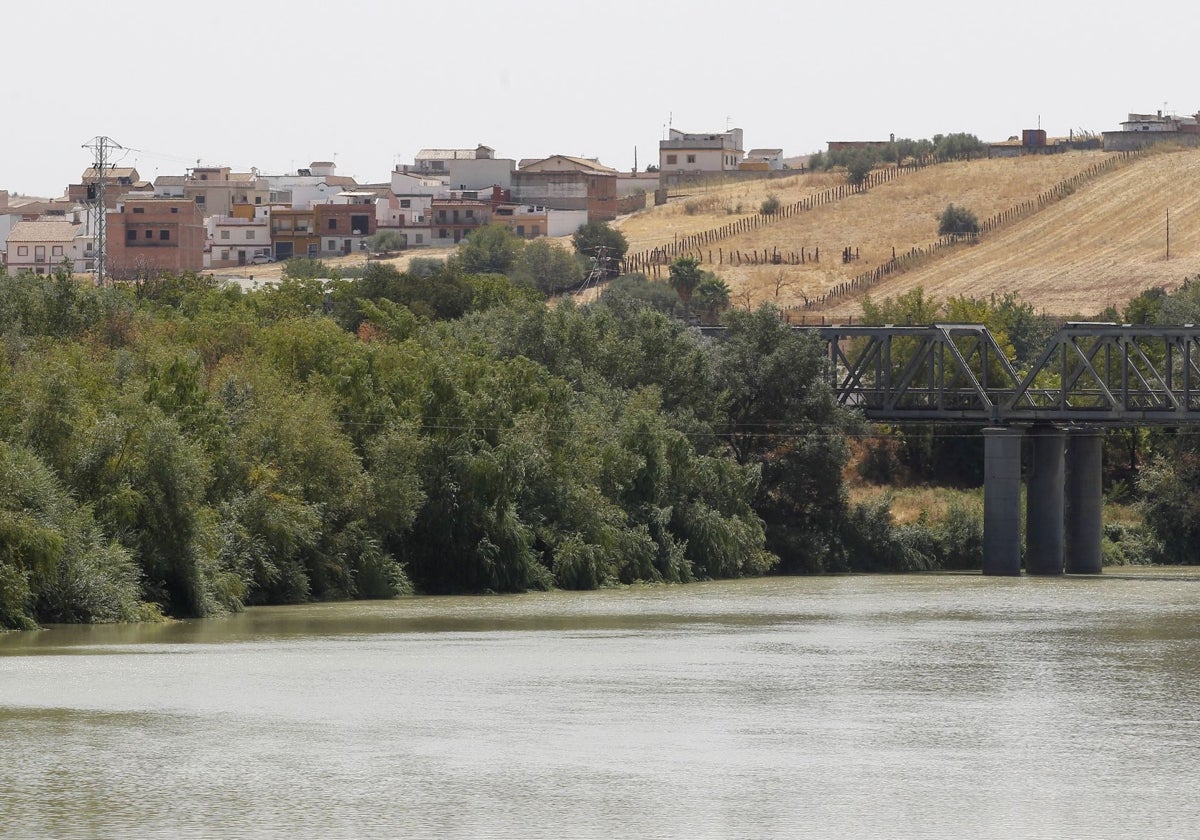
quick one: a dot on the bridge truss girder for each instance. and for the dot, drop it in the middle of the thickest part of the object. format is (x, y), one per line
(1089, 373)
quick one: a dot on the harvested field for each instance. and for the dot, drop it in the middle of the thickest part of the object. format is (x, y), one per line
(1053, 258)
(1101, 246)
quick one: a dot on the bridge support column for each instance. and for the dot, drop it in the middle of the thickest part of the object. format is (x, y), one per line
(1085, 501)
(1002, 501)
(1044, 531)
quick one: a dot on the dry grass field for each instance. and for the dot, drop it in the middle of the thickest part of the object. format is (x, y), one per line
(270, 272)
(1101, 245)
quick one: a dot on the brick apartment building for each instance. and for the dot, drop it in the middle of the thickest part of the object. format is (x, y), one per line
(150, 236)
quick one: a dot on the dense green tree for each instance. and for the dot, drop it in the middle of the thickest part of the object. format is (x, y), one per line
(593, 236)
(387, 240)
(957, 221)
(859, 163)
(957, 146)
(492, 249)
(637, 288)
(548, 268)
(711, 298)
(306, 268)
(685, 276)
(776, 411)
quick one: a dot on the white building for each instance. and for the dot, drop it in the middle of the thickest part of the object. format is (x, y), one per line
(40, 245)
(236, 241)
(317, 183)
(700, 153)
(464, 169)
(773, 158)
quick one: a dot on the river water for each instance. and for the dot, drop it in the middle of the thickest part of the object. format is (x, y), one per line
(947, 706)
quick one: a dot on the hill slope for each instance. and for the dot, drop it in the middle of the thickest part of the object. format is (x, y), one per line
(1099, 246)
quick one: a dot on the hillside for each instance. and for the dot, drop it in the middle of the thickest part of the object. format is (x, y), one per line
(1101, 245)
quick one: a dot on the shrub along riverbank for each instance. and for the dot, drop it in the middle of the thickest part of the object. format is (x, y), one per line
(171, 447)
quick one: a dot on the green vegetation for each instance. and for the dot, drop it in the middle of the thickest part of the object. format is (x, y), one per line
(957, 221)
(599, 234)
(387, 240)
(858, 161)
(178, 448)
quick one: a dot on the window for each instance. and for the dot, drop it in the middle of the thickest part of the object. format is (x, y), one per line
(249, 235)
(131, 235)
(691, 158)
(139, 209)
(56, 251)
(149, 234)
(224, 234)
(672, 158)
(174, 209)
(404, 202)
(420, 238)
(225, 254)
(22, 250)
(39, 253)
(470, 214)
(200, 200)
(258, 199)
(164, 236)
(332, 244)
(442, 233)
(333, 224)
(520, 230)
(537, 230)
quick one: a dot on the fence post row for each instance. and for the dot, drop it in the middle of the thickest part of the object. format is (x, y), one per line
(1016, 213)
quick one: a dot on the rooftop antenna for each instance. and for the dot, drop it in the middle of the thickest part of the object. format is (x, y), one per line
(100, 146)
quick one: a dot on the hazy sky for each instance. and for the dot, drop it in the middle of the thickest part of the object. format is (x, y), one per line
(367, 83)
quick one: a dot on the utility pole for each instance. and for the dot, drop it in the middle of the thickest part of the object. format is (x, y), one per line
(100, 146)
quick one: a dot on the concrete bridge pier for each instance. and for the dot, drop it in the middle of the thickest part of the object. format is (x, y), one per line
(1044, 502)
(1085, 501)
(1002, 501)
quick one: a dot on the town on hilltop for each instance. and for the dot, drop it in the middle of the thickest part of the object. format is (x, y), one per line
(212, 217)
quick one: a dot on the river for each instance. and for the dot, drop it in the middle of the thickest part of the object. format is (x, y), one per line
(943, 706)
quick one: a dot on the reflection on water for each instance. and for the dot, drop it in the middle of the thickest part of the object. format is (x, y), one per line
(920, 706)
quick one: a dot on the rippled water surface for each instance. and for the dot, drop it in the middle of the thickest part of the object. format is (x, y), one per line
(849, 707)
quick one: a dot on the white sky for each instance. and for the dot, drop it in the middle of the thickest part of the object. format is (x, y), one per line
(279, 83)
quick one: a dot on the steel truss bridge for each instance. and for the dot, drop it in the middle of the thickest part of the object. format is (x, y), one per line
(1089, 377)
(1090, 374)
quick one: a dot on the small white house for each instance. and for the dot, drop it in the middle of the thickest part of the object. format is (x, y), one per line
(236, 241)
(40, 245)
